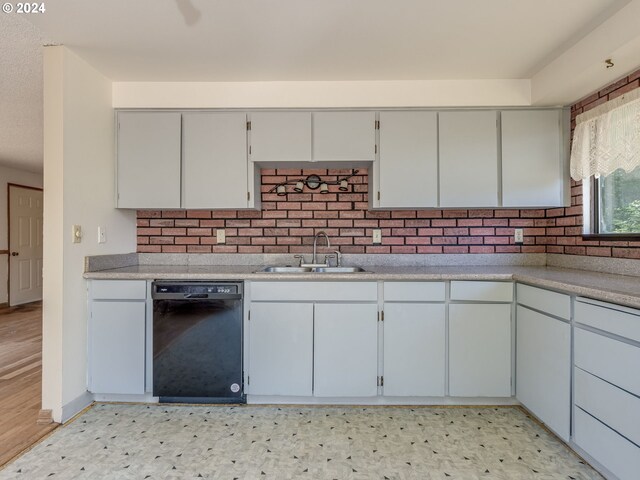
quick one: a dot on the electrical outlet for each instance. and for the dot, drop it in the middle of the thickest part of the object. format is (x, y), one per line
(76, 233)
(220, 236)
(377, 236)
(518, 235)
(102, 235)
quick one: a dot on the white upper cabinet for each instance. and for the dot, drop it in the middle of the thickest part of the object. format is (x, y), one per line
(468, 159)
(214, 162)
(148, 160)
(533, 159)
(281, 137)
(348, 136)
(408, 160)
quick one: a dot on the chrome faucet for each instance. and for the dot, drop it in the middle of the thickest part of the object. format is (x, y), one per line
(315, 245)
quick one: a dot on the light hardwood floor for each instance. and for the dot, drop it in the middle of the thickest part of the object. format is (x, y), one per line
(20, 379)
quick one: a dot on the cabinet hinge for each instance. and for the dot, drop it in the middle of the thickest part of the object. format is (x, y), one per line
(381, 381)
(248, 125)
(378, 194)
(377, 124)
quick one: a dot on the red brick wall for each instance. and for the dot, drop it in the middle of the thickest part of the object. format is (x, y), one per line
(288, 224)
(570, 240)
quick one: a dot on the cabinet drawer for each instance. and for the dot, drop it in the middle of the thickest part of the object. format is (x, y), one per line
(614, 452)
(482, 291)
(550, 302)
(118, 290)
(611, 405)
(314, 291)
(609, 359)
(609, 318)
(414, 292)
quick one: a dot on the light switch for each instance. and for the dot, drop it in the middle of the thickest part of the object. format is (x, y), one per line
(102, 235)
(76, 233)
(377, 236)
(220, 236)
(518, 235)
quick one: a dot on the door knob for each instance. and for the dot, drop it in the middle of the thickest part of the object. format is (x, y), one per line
(14, 254)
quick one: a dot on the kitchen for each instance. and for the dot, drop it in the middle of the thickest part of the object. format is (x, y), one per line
(436, 235)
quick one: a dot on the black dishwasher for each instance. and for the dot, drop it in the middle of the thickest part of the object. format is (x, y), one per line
(197, 342)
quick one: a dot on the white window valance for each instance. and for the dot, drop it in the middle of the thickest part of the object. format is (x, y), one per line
(607, 138)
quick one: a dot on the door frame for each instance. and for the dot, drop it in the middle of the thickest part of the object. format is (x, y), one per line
(15, 185)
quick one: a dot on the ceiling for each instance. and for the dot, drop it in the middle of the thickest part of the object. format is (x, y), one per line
(296, 40)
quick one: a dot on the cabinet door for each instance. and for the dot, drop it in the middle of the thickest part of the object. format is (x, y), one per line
(480, 350)
(344, 136)
(414, 349)
(543, 368)
(214, 160)
(281, 349)
(468, 159)
(345, 350)
(281, 137)
(408, 162)
(117, 347)
(532, 159)
(148, 160)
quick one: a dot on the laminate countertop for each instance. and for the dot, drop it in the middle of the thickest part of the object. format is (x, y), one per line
(619, 289)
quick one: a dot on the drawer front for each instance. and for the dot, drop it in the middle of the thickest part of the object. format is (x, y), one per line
(614, 452)
(314, 291)
(609, 359)
(482, 291)
(414, 291)
(611, 405)
(609, 319)
(118, 289)
(550, 302)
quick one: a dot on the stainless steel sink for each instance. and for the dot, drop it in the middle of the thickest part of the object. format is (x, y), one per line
(338, 269)
(289, 269)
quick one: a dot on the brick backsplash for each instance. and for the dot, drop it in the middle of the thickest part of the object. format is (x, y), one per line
(288, 224)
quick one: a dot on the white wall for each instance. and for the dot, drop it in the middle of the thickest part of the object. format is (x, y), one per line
(79, 188)
(419, 93)
(20, 177)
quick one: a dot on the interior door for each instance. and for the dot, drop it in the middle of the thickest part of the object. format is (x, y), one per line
(25, 245)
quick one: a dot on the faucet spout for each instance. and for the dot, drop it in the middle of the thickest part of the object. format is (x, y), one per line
(315, 244)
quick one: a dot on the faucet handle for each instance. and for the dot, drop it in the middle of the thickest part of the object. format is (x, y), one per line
(338, 258)
(301, 258)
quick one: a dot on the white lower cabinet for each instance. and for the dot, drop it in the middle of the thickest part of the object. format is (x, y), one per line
(117, 347)
(480, 350)
(345, 350)
(281, 349)
(543, 376)
(414, 349)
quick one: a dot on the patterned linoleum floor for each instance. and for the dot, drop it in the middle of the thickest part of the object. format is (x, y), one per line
(183, 442)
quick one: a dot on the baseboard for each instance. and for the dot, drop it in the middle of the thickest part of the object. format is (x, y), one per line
(76, 405)
(386, 401)
(45, 417)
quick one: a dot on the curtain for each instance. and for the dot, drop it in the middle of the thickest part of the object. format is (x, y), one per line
(607, 138)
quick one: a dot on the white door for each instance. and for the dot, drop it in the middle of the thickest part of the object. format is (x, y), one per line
(281, 349)
(408, 163)
(344, 136)
(544, 368)
(345, 350)
(480, 350)
(533, 170)
(117, 347)
(414, 349)
(280, 137)
(25, 245)
(468, 159)
(214, 160)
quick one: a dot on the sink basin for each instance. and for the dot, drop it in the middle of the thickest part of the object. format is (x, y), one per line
(289, 269)
(338, 269)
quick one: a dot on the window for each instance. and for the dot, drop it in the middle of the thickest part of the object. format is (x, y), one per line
(616, 205)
